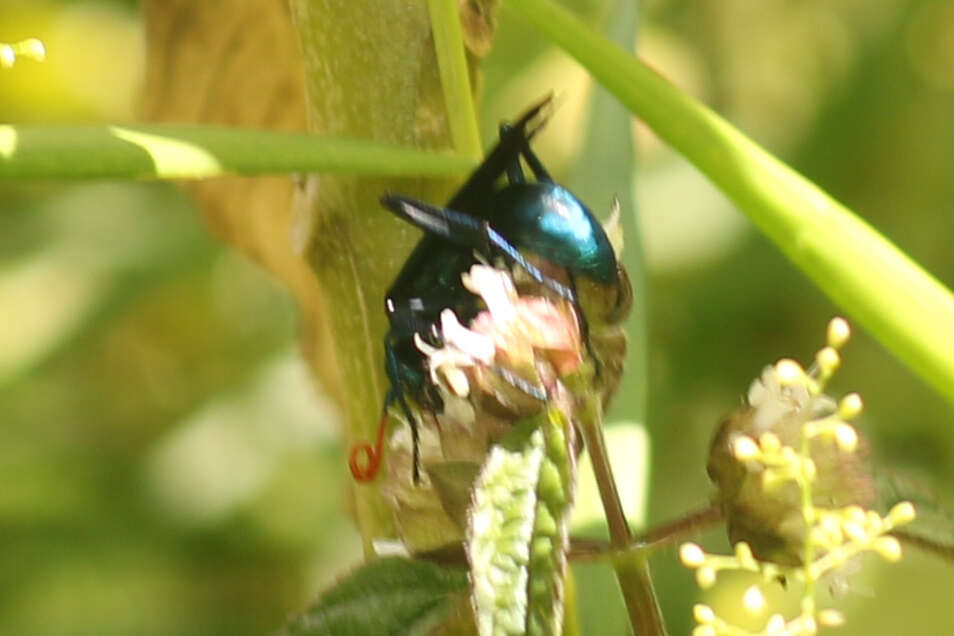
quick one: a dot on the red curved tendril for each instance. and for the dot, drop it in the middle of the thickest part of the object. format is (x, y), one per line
(371, 466)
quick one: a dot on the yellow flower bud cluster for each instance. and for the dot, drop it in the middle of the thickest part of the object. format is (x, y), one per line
(833, 537)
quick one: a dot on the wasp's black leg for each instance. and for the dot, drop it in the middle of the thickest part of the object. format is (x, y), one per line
(498, 161)
(415, 440)
(468, 231)
(396, 394)
(536, 167)
(514, 170)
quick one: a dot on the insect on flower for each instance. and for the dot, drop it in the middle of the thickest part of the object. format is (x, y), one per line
(534, 228)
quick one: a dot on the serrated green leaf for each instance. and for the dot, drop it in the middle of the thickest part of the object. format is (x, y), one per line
(396, 596)
(517, 536)
(500, 531)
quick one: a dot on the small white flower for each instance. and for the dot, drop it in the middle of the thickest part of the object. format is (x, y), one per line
(839, 331)
(901, 513)
(772, 401)
(447, 362)
(703, 613)
(850, 406)
(691, 555)
(476, 345)
(753, 600)
(888, 547)
(744, 448)
(495, 287)
(831, 618)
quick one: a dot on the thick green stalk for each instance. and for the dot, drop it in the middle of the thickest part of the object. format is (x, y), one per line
(636, 585)
(905, 308)
(455, 77)
(157, 151)
(370, 72)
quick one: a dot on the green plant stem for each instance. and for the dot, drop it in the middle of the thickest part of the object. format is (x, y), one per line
(905, 308)
(157, 151)
(636, 584)
(592, 430)
(455, 78)
(631, 566)
(571, 618)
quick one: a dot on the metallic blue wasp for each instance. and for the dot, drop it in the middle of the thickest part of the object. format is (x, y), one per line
(486, 220)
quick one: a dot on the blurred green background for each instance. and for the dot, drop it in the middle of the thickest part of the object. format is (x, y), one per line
(167, 465)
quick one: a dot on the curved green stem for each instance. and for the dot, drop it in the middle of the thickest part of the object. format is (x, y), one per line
(455, 78)
(903, 306)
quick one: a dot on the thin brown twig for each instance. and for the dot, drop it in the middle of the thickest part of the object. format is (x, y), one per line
(679, 529)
